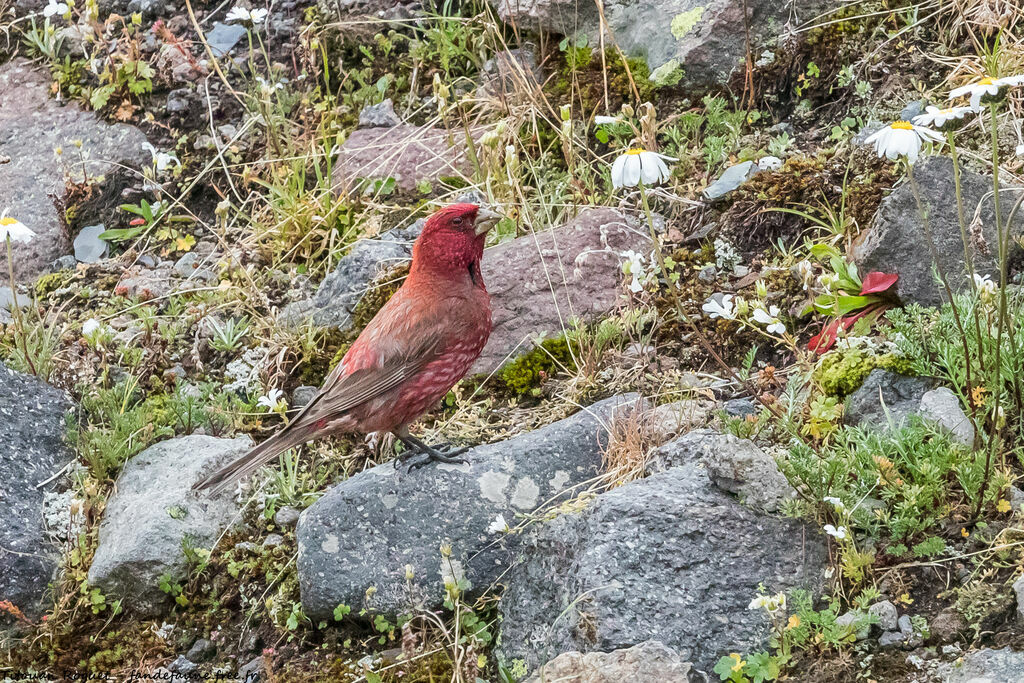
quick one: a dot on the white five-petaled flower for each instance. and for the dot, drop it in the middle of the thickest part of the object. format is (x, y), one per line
(986, 287)
(987, 87)
(162, 160)
(725, 309)
(901, 139)
(771, 603)
(254, 17)
(14, 230)
(770, 319)
(940, 118)
(498, 525)
(633, 264)
(273, 400)
(637, 165)
(835, 532)
(835, 502)
(54, 8)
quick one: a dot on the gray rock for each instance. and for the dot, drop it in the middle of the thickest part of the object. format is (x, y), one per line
(32, 126)
(905, 625)
(356, 542)
(202, 650)
(67, 262)
(303, 395)
(915, 108)
(179, 101)
(182, 665)
(89, 248)
(648, 661)
(699, 44)
(886, 613)
(573, 270)
(154, 511)
(708, 274)
(885, 398)
(7, 299)
(670, 558)
(1018, 590)
(145, 283)
(943, 407)
(986, 666)
(891, 639)
(1016, 498)
(852, 620)
(731, 178)
(512, 72)
(895, 242)
(223, 38)
(196, 267)
(735, 465)
(404, 152)
(32, 450)
(740, 407)
(252, 671)
(379, 115)
(286, 518)
(273, 540)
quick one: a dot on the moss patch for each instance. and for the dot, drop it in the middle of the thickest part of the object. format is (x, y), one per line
(528, 372)
(841, 372)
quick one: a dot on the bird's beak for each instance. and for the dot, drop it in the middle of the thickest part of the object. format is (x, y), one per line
(486, 219)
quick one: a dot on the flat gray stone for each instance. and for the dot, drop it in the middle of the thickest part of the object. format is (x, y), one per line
(887, 615)
(886, 398)
(223, 38)
(942, 407)
(32, 126)
(32, 450)
(648, 661)
(154, 510)
(671, 558)
(986, 666)
(731, 178)
(89, 248)
(359, 541)
(379, 115)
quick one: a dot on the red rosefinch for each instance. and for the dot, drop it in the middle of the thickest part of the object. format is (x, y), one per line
(415, 349)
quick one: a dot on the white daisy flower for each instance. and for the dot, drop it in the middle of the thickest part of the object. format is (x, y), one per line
(54, 8)
(770, 319)
(725, 310)
(14, 230)
(272, 401)
(835, 532)
(498, 526)
(986, 88)
(247, 16)
(901, 138)
(638, 165)
(942, 119)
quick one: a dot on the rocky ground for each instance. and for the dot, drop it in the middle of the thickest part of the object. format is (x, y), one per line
(728, 425)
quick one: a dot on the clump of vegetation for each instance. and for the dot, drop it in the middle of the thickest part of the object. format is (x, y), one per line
(525, 374)
(841, 372)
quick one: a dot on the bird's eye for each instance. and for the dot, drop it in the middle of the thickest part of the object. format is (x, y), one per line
(457, 220)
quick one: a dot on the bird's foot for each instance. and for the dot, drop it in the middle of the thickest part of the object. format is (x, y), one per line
(421, 454)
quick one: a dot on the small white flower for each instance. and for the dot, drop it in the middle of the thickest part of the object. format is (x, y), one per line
(769, 163)
(725, 310)
(14, 230)
(246, 16)
(835, 502)
(272, 401)
(986, 87)
(770, 603)
(836, 532)
(633, 264)
(55, 8)
(758, 602)
(498, 526)
(603, 120)
(901, 139)
(938, 118)
(90, 326)
(770, 319)
(986, 287)
(805, 271)
(162, 160)
(638, 165)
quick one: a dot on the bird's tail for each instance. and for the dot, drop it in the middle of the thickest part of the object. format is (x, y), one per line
(295, 434)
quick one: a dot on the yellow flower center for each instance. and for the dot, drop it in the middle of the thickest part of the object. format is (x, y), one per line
(7, 220)
(988, 80)
(636, 151)
(902, 125)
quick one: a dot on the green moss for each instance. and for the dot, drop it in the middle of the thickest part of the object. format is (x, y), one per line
(527, 372)
(50, 282)
(841, 372)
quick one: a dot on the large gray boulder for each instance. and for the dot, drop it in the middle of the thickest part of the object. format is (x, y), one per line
(374, 541)
(154, 513)
(648, 661)
(31, 452)
(672, 557)
(32, 127)
(896, 242)
(700, 44)
(986, 666)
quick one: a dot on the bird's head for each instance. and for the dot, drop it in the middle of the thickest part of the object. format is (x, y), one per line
(453, 239)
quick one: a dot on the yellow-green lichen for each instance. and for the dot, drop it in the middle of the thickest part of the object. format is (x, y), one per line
(841, 372)
(684, 22)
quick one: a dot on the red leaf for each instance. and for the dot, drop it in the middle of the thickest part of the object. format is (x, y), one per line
(876, 283)
(826, 339)
(138, 221)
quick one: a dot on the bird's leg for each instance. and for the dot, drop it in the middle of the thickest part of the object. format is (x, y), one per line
(416, 446)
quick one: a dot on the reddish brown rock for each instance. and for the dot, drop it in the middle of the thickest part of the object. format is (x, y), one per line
(538, 283)
(406, 153)
(32, 126)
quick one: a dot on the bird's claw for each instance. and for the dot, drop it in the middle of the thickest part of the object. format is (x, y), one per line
(443, 453)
